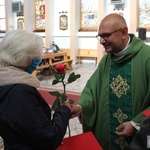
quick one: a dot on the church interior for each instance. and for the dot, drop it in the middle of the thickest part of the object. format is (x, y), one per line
(73, 26)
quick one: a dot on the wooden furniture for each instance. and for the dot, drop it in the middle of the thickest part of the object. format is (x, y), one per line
(48, 59)
(87, 54)
(66, 50)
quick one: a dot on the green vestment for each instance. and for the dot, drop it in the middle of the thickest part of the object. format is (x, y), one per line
(118, 91)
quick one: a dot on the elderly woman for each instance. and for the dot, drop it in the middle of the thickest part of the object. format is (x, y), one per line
(25, 117)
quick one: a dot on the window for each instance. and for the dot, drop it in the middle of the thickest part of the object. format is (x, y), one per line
(39, 15)
(89, 15)
(144, 14)
(2, 16)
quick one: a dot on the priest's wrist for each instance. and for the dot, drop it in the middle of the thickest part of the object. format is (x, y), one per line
(79, 109)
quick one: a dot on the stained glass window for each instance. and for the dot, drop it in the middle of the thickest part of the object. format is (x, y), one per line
(2, 16)
(144, 13)
(39, 14)
(89, 14)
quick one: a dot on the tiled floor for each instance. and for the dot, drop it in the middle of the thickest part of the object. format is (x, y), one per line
(85, 70)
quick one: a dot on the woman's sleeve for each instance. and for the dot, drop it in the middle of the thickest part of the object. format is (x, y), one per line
(27, 117)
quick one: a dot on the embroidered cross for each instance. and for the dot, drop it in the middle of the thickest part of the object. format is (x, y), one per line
(119, 86)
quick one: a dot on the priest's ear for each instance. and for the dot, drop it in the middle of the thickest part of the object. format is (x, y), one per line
(124, 32)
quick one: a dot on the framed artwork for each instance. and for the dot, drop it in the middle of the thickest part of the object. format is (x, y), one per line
(20, 23)
(63, 22)
(144, 14)
(39, 15)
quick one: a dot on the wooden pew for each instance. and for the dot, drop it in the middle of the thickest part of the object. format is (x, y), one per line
(87, 53)
(66, 50)
(49, 57)
(68, 64)
(66, 61)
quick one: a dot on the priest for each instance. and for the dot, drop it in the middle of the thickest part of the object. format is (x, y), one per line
(112, 102)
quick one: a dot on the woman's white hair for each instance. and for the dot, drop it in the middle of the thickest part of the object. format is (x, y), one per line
(19, 47)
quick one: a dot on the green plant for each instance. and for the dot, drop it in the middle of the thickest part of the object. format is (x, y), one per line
(59, 72)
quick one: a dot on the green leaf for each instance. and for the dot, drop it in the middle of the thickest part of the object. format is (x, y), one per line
(55, 81)
(63, 97)
(71, 101)
(56, 104)
(73, 77)
(57, 76)
(55, 73)
(55, 93)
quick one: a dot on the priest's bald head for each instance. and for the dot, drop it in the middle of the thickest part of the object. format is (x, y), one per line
(113, 33)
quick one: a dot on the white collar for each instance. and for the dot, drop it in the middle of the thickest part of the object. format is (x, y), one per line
(124, 50)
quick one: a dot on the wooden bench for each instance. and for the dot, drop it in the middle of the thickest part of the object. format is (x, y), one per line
(50, 57)
(87, 53)
(68, 64)
(66, 50)
(39, 68)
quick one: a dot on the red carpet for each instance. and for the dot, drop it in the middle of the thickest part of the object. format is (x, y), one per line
(50, 99)
(85, 141)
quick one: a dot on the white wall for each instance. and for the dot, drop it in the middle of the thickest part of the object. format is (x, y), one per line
(14, 15)
(62, 38)
(87, 40)
(125, 11)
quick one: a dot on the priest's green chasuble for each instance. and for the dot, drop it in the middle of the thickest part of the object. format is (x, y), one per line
(117, 92)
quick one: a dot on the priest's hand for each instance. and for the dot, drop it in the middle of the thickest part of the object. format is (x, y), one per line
(76, 110)
(125, 129)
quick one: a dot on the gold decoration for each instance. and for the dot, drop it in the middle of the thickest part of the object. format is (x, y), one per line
(120, 115)
(119, 86)
(122, 143)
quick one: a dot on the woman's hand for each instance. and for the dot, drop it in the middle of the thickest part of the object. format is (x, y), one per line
(75, 109)
(66, 103)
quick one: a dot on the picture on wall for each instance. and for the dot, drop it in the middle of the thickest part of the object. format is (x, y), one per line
(63, 22)
(20, 23)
